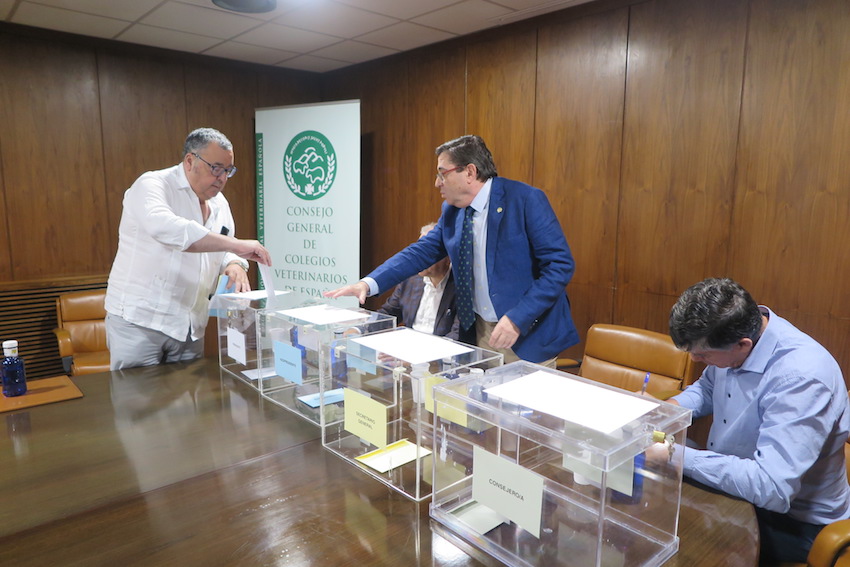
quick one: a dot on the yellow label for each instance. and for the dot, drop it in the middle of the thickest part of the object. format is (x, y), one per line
(365, 418)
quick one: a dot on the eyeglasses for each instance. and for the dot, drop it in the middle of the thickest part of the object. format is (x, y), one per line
(217, 170)
(441, 175)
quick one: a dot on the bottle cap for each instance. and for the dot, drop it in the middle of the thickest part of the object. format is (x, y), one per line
(10, 348)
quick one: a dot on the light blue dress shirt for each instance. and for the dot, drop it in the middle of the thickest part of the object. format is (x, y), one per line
(780, 424)
(481, 302)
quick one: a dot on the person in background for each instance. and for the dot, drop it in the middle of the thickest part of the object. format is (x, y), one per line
(781, 415)
(176, 236)
(426, 301)
(510, 259)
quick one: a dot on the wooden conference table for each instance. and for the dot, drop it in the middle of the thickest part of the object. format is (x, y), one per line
(184, 465)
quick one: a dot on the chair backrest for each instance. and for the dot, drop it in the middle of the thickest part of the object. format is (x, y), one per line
(82, 314)
(621, 356)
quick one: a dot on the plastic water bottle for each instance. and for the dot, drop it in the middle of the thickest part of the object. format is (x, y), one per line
(14, 375)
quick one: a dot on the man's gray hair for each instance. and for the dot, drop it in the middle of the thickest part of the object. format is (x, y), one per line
(199, 139)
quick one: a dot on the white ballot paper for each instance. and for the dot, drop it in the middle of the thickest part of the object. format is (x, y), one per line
(325, 314)
(268, 283)
(411, 346)
(257, 373)
(583, 404)
(255, 294)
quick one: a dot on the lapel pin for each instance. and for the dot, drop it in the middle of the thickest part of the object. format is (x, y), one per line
(499, 210)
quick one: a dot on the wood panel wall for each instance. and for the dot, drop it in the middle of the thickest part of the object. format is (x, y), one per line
(676, 140)
(81, 119)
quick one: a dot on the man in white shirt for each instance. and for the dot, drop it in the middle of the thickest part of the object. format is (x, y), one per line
(426, 301)
(175, 238)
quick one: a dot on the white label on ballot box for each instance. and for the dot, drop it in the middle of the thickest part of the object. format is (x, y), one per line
(236, 346)
(507, 488)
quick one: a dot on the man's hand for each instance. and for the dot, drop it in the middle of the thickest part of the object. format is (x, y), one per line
(358, 290)
(252, 250)
(237, 277)
(505, 333)
(658, 454)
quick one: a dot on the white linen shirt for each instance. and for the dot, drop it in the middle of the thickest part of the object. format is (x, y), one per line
(154, 282)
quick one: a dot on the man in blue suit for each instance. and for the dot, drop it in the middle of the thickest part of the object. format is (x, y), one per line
(521, 262)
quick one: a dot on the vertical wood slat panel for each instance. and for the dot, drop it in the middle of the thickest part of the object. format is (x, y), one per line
(293, 87)
(683, 93)
(144, 123)
(28, 315)
(383, 93)
(436, 114)
(792, 203)
(6, 96)
(226, 102)
(500, 88)
(384, 112)
(578, 129)
(52, 160)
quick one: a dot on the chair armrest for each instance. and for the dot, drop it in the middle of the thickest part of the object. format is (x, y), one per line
(830, 544)
(567, 363)
(64, 338)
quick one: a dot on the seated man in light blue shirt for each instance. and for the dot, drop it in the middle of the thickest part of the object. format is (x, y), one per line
(781, 415)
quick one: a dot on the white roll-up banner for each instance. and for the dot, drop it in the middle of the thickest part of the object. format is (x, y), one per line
(308, 195)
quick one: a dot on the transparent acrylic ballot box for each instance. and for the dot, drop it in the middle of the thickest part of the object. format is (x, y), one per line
(301, 357)
(385, 428)
(237, 315)
(541, 468)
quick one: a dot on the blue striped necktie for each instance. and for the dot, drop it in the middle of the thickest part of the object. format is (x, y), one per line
(463, 273)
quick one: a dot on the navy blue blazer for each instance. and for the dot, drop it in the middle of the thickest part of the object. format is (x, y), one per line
(528, 265)
(404, 303)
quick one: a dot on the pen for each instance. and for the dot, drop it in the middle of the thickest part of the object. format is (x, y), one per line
(645, 382)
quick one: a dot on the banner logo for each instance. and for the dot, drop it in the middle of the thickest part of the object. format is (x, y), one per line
(309, 165)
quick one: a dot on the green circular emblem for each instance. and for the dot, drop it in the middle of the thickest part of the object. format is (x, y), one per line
(309, 165)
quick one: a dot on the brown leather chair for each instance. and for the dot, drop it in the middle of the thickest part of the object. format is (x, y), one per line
(621, 356)
(82, 332)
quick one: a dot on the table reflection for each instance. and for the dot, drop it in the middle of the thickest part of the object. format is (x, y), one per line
(180, 465)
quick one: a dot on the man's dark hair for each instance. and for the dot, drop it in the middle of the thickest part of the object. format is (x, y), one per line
(470, 149)
(717, 313)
